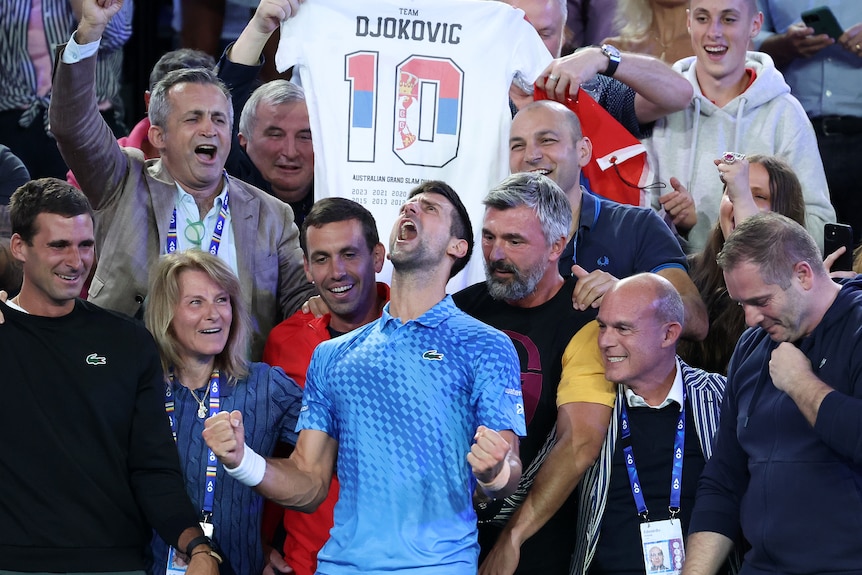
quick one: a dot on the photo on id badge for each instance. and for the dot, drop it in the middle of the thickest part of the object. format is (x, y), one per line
(662, 546)
(176, 566)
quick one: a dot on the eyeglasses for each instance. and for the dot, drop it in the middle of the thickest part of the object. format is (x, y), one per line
(194, 232)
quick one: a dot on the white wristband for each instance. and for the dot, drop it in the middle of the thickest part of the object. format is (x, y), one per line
(500, 481)
(250, 470)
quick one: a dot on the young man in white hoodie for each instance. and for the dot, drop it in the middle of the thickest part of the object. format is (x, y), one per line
(741, 104)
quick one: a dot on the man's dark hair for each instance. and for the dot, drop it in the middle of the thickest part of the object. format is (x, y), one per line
(331, 210)
(45, 196)
(179, 60)
(461, 227)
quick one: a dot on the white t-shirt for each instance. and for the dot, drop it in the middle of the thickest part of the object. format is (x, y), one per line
(402, 91)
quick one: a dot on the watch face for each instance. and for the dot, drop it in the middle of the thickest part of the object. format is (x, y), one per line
(610, 51)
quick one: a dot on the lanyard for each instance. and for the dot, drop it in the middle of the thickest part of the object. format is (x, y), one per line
(171, 243)
(209, 492)
(676, 473)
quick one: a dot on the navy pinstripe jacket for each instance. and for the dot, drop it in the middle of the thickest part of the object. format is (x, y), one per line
(705, 392)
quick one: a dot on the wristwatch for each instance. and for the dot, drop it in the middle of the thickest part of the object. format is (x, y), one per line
(203, 540)
(614, 56)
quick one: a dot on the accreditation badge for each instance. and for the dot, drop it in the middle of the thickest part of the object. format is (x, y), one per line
(176, 565)
(663, 550)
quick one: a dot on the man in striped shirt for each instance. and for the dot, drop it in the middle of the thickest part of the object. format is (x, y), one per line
(639, 494)
(30, 30)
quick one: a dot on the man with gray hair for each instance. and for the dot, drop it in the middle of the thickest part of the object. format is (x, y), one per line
(170, 61)
(272, 149)
(181, 201)
(524, 231)
(788, 457)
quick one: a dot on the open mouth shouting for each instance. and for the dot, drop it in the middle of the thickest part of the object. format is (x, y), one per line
(407, 231)
(206, 152)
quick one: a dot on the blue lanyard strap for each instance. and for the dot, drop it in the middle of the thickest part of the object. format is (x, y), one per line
(214, 402)
(171, 242)
(676, 473)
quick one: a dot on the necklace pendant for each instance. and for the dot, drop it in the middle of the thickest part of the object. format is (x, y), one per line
(202, 411)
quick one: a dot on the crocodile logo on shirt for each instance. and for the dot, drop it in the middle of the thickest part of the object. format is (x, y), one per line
(95, 359)
(432, 355)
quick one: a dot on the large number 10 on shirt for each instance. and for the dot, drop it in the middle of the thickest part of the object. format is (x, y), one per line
(402, 91)
(428, 97)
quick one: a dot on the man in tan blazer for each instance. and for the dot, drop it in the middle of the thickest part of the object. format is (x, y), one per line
(182, 200)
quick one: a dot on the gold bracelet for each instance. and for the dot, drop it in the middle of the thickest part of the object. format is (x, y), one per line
(211, 552)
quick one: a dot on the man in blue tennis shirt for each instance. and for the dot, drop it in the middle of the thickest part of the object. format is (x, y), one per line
(409, 405)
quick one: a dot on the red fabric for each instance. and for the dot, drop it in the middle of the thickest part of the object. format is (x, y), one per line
(608, 137)
(289, 346)
(752, 76)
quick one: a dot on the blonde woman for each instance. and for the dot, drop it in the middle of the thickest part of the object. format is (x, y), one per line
(201, 326)
(653, 27)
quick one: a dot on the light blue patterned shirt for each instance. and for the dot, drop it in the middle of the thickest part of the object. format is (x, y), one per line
(404, 400)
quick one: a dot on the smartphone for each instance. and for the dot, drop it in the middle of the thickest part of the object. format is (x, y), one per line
(823, 21)
(835, 236)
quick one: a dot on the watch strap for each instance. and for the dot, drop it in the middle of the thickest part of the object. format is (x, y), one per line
(197, 541)
(613, 59)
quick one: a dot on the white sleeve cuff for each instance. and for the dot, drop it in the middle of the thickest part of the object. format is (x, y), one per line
(75, 52)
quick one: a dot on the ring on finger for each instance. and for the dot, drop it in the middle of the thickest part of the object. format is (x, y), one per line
(553, 78)
(730, 157)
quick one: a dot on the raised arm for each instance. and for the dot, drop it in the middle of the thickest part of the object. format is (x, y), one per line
(84, 139)
(659, 90)
(299, 482)
(241, 62)
(118, 29)
(266, 20)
